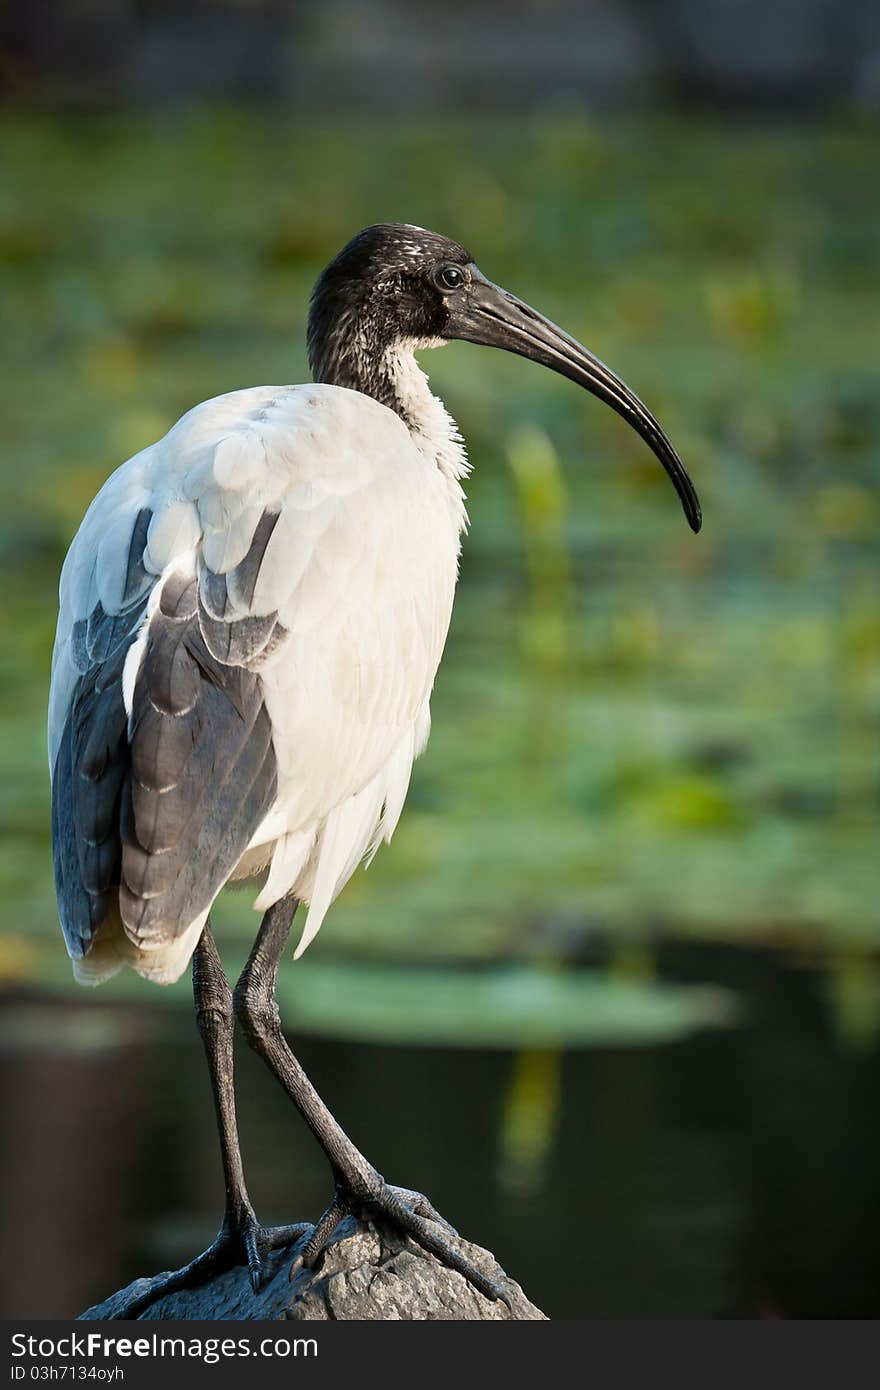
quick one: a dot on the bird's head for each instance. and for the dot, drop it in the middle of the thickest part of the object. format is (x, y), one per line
(395, 286)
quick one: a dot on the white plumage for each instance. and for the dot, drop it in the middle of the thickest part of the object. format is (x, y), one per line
(252, 616)
(360, 569)
(254, 609)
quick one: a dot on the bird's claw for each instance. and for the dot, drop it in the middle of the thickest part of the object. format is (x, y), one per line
(413, 1214)
(259, 1241)
(253, 1257)
(422, 1207)
(240, 1241)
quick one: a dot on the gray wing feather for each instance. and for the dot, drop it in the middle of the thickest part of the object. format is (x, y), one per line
(157, 806)
(231, 633)
(203, 773)
(90, 769)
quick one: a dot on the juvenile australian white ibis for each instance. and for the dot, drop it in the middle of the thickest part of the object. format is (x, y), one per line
(252, 615)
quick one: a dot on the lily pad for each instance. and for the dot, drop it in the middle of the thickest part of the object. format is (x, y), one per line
(508, 1007)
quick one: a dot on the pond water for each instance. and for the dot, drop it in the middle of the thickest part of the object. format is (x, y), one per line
(730, 1174)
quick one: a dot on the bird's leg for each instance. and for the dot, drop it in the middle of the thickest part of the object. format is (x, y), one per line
(359, 1187)
(240, 1234)
(241, 1239)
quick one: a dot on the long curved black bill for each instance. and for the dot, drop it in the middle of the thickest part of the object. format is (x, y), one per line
(488, 315)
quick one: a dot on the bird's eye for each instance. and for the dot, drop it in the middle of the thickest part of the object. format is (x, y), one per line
(450, 277)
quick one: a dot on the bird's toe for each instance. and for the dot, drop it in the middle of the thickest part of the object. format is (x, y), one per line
(414, 1215)
(422, 1206)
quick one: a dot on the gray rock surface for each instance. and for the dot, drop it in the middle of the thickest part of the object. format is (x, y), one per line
(367, 1273)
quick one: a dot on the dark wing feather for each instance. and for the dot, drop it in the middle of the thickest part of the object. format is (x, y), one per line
(161, 805)
(90, 769)
(203, 773)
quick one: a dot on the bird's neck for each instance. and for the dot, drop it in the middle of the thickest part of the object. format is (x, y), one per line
(393, 377)
(433, 430)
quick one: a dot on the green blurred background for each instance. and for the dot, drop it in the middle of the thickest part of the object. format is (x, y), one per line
(646, 824)
(634, 729)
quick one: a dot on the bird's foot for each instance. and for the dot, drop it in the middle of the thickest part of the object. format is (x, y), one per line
(410, 1212)
(241, 1240)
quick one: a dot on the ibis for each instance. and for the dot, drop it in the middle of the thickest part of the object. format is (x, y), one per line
(252, 615)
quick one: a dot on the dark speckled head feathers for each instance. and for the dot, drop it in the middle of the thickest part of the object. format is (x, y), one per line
(395, 288)
(381, 290)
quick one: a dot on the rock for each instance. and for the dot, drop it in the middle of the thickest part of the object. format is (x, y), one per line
(368, 1272)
